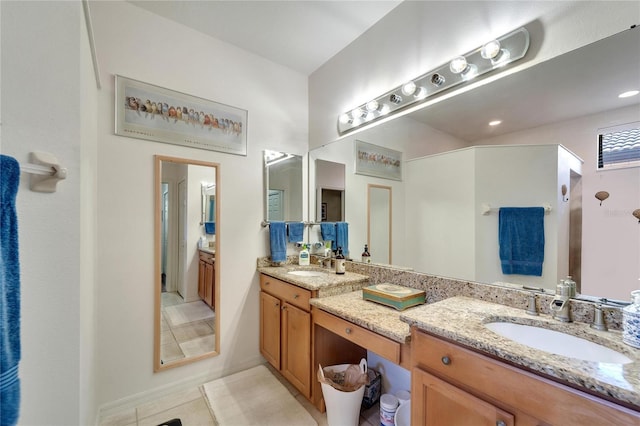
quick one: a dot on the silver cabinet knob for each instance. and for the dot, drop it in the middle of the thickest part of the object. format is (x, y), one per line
(347, 330)
(446, 360)
(295, 296)
(500, 423)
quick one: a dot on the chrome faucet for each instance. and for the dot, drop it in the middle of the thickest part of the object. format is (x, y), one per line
(560, 304)
(598, 318)
(531, 304)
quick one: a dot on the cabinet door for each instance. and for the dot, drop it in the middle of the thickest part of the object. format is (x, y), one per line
(201, 268)
(296, 348)
(440, 403)
(209, 277)
(270, 328)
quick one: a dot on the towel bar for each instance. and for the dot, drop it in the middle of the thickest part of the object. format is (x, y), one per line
(486, 209)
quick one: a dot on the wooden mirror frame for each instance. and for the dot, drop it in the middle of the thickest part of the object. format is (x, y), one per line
(157, 362)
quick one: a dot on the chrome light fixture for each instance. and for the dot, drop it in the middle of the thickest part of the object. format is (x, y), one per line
(489, 57)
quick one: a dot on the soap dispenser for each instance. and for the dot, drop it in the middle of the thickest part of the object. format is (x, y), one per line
(303, 257)
(340, 262)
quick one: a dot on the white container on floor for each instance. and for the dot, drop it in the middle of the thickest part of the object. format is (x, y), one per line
(403, 415)
(343, 408)
(388, 407)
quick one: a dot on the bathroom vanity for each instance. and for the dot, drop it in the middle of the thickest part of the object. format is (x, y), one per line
(285, 317)
(207, 276)
(460, 369)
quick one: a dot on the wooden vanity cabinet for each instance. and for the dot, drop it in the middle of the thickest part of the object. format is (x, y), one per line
(285, 330)
(454, 385)
(207, 278)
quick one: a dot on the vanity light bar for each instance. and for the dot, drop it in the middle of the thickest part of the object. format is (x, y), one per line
(488, 57)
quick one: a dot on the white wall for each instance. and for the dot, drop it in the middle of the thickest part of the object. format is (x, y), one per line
(418, 36)
(48, 105)
(181, 59)
(610, 235)
(441, 209)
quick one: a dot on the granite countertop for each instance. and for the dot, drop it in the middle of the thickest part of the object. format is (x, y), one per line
(327, 284)
(462, 319)
(372, 316)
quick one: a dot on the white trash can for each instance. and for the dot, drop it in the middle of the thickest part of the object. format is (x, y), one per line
(343, 408)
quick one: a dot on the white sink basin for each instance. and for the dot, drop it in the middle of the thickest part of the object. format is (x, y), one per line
(557, 343)
(306, 273)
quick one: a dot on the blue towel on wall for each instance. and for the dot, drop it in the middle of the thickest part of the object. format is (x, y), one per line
(328, 232)
(342, 237)
(521, 239)
(210, 228)
(278, 241)
(9, 292)
(296, 232)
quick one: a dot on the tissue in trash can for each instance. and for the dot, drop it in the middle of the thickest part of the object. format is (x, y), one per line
(346, 380)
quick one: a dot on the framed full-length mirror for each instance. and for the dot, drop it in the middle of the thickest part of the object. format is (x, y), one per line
(379, 231)
(187, 272)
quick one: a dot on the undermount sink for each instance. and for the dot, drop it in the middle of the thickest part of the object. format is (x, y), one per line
(307, 273)
(558, 343)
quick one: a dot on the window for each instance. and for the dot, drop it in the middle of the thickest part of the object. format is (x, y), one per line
(619, 146)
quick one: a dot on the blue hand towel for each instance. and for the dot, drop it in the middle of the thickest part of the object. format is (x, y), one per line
(210, 228)
(521, 239)
(9, 292)
(328, 232)
(278, 241)
(342, 237)
(296, 232)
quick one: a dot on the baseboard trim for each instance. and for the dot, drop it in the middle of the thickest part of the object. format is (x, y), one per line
(185, 384)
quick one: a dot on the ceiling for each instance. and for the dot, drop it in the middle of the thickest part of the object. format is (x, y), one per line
(301, 35)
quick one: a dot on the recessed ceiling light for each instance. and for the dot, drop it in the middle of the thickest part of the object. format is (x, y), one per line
(494, 122)
(628, 94)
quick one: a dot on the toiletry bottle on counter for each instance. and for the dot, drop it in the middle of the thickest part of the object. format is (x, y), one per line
(303, 257)
(340, 260)
(366, 257)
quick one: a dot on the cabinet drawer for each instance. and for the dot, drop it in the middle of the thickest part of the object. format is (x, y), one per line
(384, 347)
(207, 257)
(290, 293)
(511, 387)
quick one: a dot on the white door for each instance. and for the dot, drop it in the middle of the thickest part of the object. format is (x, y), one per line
(182, 237)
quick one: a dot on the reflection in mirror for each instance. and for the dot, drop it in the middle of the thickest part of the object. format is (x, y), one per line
(283, 186)
(187, 292)
(329, 191)
(563, 101)
(379, 223)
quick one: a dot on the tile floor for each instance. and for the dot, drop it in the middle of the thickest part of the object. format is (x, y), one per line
(192, 409)
(187, 329)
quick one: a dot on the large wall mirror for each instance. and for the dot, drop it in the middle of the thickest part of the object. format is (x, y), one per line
(283, 186)
(562, 102)
(187, 272)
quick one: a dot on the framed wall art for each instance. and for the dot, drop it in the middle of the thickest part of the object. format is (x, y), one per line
(145, 111)
(374, 160)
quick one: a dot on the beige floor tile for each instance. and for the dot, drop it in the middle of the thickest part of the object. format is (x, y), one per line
(198, 346)
(170, 352)
(124, 418)
(193, 413)
(168, 402)
(192, 331)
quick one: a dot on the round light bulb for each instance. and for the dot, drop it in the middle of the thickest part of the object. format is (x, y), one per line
(357, 113)
(409, 88)
(628, 94)
(372, 106)
(344, 118)
(458, 65)
(490, 50)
